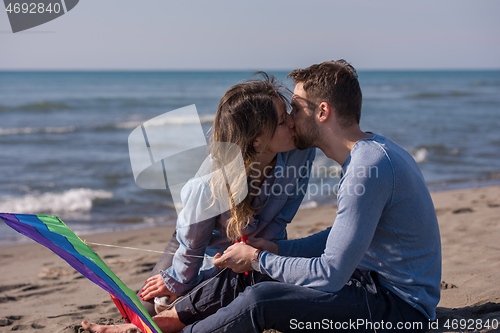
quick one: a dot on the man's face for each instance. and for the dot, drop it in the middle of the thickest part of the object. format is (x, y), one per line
(303, 110)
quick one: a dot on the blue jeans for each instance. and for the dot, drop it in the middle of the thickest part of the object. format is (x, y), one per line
(362, 305)
(216, 294)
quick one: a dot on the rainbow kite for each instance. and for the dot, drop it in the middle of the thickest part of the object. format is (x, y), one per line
(52, 233)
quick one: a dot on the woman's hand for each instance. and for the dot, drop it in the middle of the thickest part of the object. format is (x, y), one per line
(263, 244)
(238, 257)
(155, 286)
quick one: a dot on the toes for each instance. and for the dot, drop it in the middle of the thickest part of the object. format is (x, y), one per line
(91, 327)
(95, 328)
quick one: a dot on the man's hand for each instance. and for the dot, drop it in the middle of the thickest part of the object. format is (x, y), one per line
(155, 286)
(238, 257)
(263, 244)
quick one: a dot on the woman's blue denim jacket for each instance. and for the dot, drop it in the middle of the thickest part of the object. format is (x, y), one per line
(280, 197)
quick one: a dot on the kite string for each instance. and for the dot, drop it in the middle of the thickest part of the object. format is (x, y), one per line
(147, 250)
(170, 305)
(206, 257)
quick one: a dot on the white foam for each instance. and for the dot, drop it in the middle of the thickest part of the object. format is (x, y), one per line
(308, 205)
(74, 200)
(129, 124)
(182, 120)
(34, 130)
(419, 155)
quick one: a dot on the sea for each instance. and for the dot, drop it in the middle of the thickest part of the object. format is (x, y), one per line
(64, 137)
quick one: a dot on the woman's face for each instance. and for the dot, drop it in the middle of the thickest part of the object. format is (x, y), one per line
(283, 138)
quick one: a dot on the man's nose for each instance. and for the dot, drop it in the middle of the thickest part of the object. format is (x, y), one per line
(291, 123)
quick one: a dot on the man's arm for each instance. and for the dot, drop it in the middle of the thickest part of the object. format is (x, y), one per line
(361, 201)
(347, 242)
(307, 247)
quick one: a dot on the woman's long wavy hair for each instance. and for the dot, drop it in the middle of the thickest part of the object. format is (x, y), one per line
(246, 111)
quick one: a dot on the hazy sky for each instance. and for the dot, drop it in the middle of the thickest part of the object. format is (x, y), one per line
(259, 34)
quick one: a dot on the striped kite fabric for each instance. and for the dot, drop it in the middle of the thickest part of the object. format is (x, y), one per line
(52, 233)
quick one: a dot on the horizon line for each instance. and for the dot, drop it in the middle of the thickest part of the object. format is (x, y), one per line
(237, 70)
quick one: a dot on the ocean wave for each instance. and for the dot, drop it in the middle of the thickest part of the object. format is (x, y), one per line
(44, 106)
(36, 130)
(418, 154)
(94, 103)
(204, 119)
(430, 95)
(178, 206)
(74, 200)
(142, 103)
(309, 205)
(484, 83)
(156, 220)
(484, 102)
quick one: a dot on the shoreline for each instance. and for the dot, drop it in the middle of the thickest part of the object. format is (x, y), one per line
(462, 185)
(469, 221)
(311, 205)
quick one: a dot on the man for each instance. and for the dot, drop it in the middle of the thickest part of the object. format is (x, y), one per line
(378, 268)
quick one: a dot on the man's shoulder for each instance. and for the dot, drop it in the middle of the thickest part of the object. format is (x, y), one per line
(379, 156)
(369, 152)
(378, 149)
(388, 159)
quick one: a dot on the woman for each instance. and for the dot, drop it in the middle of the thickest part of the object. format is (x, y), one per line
(252, 115)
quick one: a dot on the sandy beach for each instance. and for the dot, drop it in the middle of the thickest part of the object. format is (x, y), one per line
(39, 292)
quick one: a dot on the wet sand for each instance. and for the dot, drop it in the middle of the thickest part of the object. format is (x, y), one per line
(39, 292)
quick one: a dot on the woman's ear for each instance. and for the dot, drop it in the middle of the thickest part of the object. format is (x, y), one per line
(256, 143)
(259, 142)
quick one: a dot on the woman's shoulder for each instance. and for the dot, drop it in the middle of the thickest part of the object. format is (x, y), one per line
(298, 157)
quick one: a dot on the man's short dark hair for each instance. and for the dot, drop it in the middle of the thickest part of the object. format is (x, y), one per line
(334, 82)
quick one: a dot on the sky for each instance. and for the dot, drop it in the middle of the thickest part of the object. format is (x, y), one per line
(259, 34)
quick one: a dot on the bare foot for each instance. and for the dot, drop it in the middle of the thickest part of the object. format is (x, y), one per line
(168, 321)
(125, 328)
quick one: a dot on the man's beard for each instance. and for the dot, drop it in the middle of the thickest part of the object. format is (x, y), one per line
(309, 137)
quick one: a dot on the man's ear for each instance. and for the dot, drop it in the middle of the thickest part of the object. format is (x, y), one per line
(325, 111)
